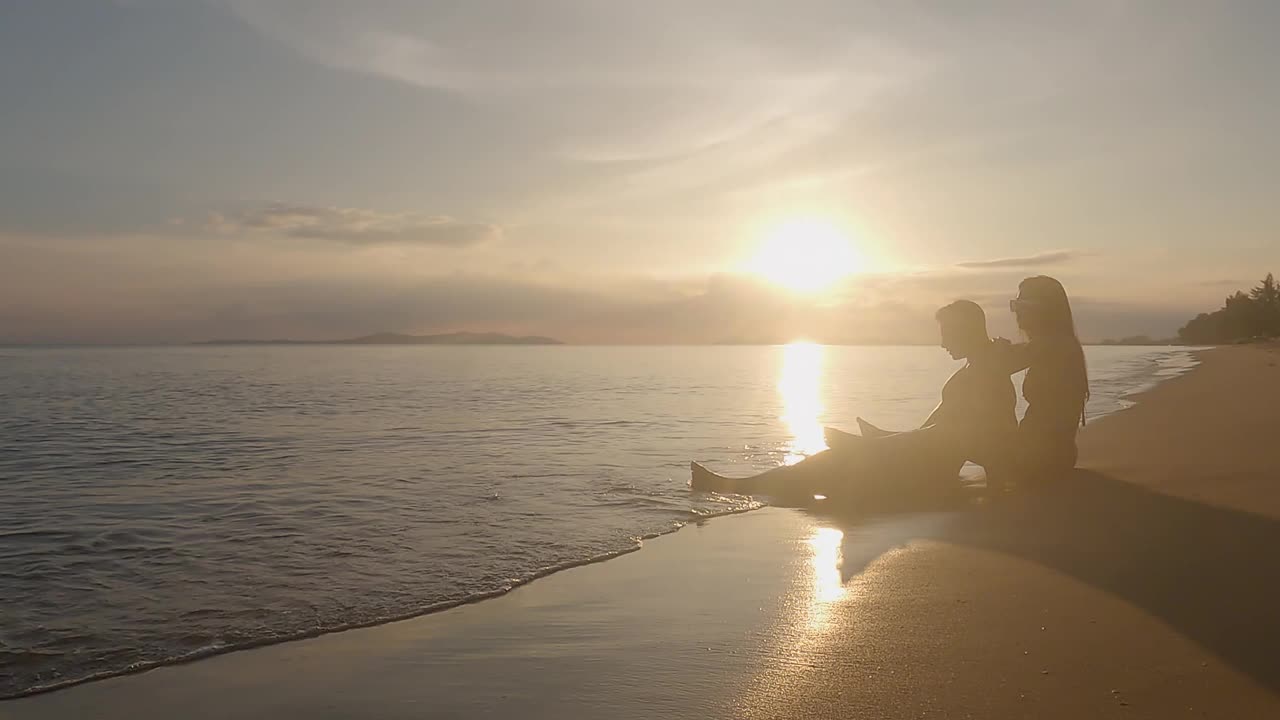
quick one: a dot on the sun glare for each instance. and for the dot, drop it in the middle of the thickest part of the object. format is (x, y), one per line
(806, 255)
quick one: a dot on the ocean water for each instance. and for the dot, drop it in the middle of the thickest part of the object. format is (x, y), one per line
(159, 504)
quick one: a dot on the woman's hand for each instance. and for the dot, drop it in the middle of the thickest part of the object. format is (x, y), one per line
(1014, 357)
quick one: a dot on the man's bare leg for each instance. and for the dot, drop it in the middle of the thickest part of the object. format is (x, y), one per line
(809, 477)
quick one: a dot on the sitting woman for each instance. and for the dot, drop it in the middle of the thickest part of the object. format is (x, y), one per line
(1056, 386)
(974, 422)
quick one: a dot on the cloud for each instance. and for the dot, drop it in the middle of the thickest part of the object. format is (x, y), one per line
(155, 290)
(353, 226)
(626, 110)
(612, 82)
(487, 48)
(1056, 257)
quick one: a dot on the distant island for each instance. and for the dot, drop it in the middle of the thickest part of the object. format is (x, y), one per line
(1139, 340)
(389, 338)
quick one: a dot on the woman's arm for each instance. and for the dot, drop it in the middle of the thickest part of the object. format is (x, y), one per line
(1013, 357)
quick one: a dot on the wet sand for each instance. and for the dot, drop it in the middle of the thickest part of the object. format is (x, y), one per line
(1147, 588)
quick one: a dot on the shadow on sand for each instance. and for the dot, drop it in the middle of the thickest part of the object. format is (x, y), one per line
(1212, 574)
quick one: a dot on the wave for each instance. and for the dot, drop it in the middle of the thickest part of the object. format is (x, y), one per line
(625, 479)
(1156, 370)
(221, 648)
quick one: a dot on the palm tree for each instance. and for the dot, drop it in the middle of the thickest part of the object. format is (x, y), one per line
(1267, 299)
(1243, 316)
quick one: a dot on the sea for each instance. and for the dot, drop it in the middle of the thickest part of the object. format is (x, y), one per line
(159, 504)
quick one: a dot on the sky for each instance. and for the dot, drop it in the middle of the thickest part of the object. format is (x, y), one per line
(610, 172)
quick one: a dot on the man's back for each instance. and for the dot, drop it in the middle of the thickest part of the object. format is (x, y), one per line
(980, 406)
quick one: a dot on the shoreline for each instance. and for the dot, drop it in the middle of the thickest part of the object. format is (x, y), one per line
(429, 610)
(793, 559)
(203, 653)
(482, 629)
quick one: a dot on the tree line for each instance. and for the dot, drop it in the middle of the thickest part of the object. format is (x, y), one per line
(1244, 316)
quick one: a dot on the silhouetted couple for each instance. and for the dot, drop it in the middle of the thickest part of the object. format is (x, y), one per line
(975, 421)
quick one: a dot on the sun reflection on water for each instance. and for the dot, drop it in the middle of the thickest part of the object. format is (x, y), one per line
(800, 387)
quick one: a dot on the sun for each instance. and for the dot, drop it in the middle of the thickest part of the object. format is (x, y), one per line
(806, 255)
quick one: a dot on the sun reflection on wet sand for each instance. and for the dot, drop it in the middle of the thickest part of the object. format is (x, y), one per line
(800, 386)
(828, 582)
(816, 607)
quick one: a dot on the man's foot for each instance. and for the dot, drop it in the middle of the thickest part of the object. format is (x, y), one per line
(838, 438)
(705, 480)
(869, 430)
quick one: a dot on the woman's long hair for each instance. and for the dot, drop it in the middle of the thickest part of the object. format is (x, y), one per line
(1051, 319)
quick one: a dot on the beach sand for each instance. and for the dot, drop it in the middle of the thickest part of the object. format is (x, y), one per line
(1147, 587)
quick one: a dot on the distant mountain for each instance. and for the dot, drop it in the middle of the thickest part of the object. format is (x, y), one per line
(458, 338)
(388, 338)
(1140, 340)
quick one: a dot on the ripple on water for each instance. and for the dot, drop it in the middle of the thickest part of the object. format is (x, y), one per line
(170, 503)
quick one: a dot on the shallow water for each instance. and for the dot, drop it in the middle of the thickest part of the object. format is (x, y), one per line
(163, 503)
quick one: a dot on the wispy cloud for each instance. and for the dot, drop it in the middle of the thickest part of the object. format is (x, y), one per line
(610, 82)
(499, 48)
(1056, 257)
(353, 226)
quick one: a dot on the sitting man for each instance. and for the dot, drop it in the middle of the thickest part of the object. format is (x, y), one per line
(975, 421)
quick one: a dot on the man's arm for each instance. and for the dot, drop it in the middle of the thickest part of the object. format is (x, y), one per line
(978, 401)
(937, 416)
(955, 392)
